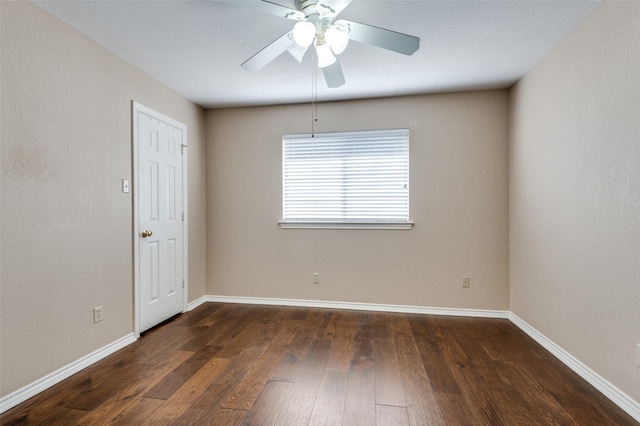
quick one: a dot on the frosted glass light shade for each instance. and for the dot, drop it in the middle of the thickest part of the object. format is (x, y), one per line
(325, 56)
(304, 33)
(337, 38)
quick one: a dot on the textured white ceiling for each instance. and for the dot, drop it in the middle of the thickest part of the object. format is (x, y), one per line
(196, 47)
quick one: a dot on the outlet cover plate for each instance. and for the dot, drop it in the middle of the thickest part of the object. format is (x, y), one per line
(97, 314)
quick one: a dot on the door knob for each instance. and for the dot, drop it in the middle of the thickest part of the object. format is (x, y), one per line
(146, 234)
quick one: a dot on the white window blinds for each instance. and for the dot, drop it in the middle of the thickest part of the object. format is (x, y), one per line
(348, 177)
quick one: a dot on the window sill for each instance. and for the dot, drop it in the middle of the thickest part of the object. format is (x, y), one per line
(345, 225)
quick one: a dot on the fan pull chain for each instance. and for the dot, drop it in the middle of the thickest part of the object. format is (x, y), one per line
(314, 94)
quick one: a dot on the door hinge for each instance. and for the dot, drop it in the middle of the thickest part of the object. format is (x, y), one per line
(183, 283)
(182, 147)
(183, 216)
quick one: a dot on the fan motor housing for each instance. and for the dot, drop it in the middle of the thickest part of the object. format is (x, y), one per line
(308, 7)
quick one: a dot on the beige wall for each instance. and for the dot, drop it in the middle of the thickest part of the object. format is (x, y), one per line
(575, 195)
(459, 202)
(65, 224)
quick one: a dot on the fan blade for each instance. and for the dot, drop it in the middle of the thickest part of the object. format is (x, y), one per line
(336, 5)
(333, 75)
(387, 39)
(269, 53)
(268, 7)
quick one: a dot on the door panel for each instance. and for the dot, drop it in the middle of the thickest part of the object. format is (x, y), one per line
(160, 225)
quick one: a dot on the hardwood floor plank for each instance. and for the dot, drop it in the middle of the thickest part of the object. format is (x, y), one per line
(176, 378)
(317, 322)
(422, 406)
(209, 417)
(223, 416)
(382, 326)
(399, 324)
(570, 395)
(515, 408)
(99, 386)
(483, 408)
(183, 398)
(232, 346)
(138, 414)
(231, 376)
(363, 359)
(454, 354)
(329, 406)
(543, 402)
(198, 335)
(159, 343)
(454, 409)
(299, 406)
(439, 372)
(258, 372)
(289, 364)
(121, 401)
(365, 326)
(223, 329)
(196, 316)
(34, 409)
(235, 323)
(388, 415)
(423, 332)
(389, 390)
(212, 316)
(342, 346)
(433, 356)
(60, 416)
(267, 406)
(360, 403)
(359, 408)
(300, 313)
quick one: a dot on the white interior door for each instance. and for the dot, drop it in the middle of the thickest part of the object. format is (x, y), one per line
(160, 228)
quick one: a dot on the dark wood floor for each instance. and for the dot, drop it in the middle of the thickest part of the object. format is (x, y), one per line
(227, 364)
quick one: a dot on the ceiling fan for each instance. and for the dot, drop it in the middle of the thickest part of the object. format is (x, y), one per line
(317, 25)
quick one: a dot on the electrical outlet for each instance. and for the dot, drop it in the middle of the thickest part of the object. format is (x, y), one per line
(465, 282)
(97, 314)
(316, 278)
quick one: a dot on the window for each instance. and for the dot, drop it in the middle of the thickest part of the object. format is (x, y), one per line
(346, 180)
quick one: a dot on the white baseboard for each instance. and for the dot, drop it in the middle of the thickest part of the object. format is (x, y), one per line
(407, 309)
(21, 395)
(199, 301)
(618, 397)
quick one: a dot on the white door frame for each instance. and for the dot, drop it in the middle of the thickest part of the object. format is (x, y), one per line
(137, 107)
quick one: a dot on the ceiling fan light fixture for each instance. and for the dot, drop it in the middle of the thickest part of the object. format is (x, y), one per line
(325, 56)
(304, 32)
(337, 37)
(297, 51)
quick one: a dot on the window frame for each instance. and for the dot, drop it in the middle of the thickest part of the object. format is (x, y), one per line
(345, 223)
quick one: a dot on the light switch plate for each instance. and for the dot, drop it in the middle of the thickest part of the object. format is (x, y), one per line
(125, 186)
(465, 282)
